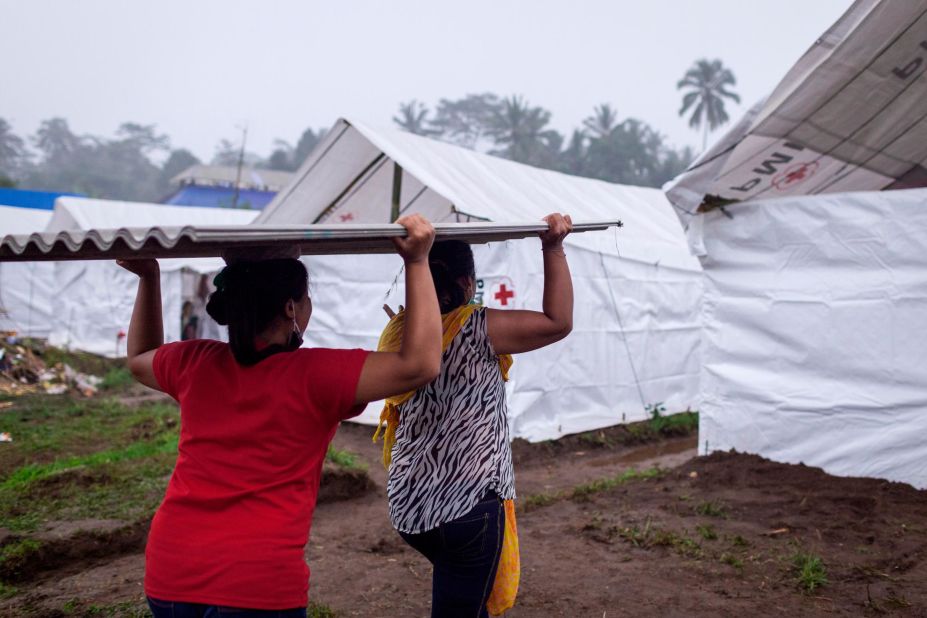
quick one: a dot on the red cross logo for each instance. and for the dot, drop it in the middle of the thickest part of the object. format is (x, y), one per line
(347, 217)
(503, 295)
(794, 175)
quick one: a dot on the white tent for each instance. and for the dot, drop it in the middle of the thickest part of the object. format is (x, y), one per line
(94, 299)
(636, 332)
(814, 329)
(25, 288)
(851, 115)
(815, 341)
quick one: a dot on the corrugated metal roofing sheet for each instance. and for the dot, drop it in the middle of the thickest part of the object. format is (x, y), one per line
(208, 241)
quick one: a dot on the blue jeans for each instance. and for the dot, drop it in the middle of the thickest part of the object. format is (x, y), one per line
(465, 553)
(172, 609)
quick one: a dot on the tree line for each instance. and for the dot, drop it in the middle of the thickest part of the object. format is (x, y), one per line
(138, 162)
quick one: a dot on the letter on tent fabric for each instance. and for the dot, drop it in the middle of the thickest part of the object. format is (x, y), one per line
(768, 167)
(747, 185)
(908, 69)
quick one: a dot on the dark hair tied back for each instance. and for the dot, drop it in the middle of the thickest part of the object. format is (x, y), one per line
(249, 296)
(449, 261)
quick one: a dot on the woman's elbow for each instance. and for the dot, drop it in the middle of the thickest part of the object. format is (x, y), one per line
(561, 330)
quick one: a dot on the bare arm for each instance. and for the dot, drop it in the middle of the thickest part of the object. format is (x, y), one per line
(146, 330)
(517, 331)
(418, 360)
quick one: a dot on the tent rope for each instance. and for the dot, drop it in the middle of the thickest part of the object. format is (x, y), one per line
(611, 293)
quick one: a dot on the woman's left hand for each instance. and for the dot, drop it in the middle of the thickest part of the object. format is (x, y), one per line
(143, 267)
(558, 227)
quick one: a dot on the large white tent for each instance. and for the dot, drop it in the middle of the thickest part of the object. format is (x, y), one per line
(851, 115)
(814, 329)
(636, 331)
(94, 299)
(25, 288)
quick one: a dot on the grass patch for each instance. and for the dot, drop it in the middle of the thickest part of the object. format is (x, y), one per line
(7, 591)
(650, 536)
(808, 571)
(33, 472)
(707, 532)
(90, 458)
(117, 378)
(663, 424)
(585, 490)
(15, 555)
(710, 508)
(739, 541)
(47, 427)
(344, 459)
(124, 609)
(732, 560)
(320, 610)
(536, 501)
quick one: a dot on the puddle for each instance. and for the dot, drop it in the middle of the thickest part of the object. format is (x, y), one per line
(666, 454)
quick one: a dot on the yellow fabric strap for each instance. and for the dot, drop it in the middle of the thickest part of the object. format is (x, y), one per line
(391, 341)
(508, 573)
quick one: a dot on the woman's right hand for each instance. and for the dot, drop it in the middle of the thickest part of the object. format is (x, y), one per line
(420, 234)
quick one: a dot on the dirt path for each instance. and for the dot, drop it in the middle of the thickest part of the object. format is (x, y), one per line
(714, 536)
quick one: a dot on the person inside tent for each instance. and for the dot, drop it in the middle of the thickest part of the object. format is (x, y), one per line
(257, 415)
(451, 484)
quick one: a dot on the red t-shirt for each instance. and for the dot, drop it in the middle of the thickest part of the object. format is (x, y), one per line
(234, 523)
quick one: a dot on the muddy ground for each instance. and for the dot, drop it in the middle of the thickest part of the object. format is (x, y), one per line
(725, 535)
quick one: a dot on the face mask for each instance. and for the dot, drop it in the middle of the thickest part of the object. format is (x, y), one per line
(296, 339)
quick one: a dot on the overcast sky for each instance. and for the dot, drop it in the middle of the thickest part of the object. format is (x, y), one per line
(199, 68)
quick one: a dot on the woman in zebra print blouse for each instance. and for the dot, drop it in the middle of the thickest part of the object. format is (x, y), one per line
(451, 464)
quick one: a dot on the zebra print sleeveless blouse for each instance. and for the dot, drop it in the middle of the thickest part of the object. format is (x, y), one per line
(452, 444)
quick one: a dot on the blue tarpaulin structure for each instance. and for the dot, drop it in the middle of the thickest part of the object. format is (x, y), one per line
(221, 197)
(42, 200)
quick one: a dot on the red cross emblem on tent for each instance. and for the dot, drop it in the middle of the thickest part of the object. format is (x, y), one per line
(794, 175)
(503, 293)
(346, 217)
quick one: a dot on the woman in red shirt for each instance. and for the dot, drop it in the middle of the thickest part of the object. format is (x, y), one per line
(257, 415)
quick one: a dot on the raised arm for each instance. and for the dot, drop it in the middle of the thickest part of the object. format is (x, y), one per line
(514, 331)
(146, 330)
(418, 360)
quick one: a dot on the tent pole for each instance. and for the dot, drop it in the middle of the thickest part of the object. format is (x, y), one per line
(397, 192)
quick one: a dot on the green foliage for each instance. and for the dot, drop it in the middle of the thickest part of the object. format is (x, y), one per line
(117, 378)
(138, 450)
(707, 82)
(650, 536)
(320, 610)
(710, 508)
(93, 458)
(587, 489)
(732, 560)
(344, 459)
(808, 571)
(16, 554)
(627, 151)
(707, 532)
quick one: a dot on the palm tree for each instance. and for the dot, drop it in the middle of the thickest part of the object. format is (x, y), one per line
(413, 117)
(602, 121)
(706, 83)
(519, 129)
